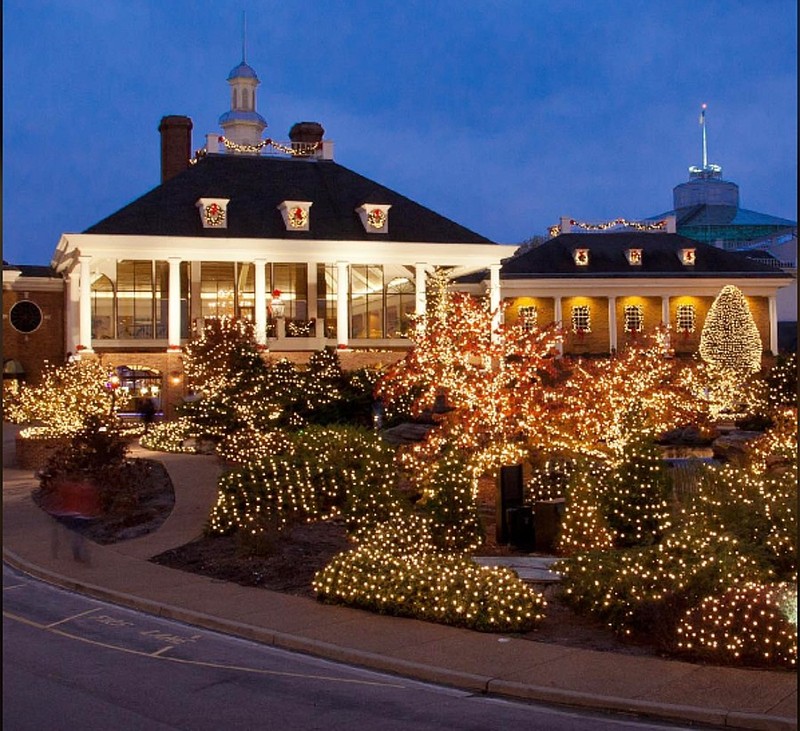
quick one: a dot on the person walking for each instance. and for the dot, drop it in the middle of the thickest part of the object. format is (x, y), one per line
(148, 411)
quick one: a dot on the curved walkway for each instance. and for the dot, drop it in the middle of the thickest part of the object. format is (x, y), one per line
(484, 663)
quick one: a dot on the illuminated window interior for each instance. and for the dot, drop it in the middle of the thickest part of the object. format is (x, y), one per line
(528, 317)
(581, 320)
(634, 318)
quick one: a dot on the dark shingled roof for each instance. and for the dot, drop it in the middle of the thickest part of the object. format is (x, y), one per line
(257, 185)
(33, 270)
(660, 258)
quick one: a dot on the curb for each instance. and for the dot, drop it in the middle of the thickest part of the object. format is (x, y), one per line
(426, 673)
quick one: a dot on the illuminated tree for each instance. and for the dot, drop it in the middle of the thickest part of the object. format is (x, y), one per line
(587, 411)
(64, 398)
(492, 386)
(729, 339)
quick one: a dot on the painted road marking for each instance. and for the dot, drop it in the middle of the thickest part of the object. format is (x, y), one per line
(74, 616)
(196, 663)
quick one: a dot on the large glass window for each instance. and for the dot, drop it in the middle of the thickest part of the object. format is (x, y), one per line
(327, 287)
(246, 291)
(134, 299)
(102, 308)
(401, 303)
(217, 293)
(366, 301)
(292, 281)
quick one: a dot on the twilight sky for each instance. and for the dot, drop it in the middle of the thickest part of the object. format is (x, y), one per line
(503, 114)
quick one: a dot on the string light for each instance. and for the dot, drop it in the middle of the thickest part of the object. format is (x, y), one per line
(636, 225)
(296, 150)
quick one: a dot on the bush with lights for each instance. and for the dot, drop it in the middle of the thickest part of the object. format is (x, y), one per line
(315, 474)
(706, 587)
(448, 497)
(750, 622)
(398, 570)
(635, 501)
(172, 436)
(584, 526)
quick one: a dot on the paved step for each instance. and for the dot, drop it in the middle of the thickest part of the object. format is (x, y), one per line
(531, 569)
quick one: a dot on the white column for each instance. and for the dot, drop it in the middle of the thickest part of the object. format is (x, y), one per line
(174, 304)
(72, 305)
(612, 324)
(342, 296)
(773, 324)
(665, 310)
(494, 298)
(85, 308)
(260, 267)
(420, 276)
(559, 317)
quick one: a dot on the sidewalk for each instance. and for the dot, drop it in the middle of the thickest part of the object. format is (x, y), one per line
(483, 663)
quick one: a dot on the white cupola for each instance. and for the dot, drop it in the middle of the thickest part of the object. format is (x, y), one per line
(242, 124)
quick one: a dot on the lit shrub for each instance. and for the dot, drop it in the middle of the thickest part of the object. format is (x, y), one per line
(449, 499)
(584, 527)
(646, 589)
(387, 575)
(749, 623)
(171, 436)
(316, 474)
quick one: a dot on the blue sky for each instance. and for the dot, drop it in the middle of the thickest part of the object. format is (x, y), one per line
(502, 115)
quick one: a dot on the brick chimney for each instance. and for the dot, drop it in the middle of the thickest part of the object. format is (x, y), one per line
(176, 145)
(306, 133)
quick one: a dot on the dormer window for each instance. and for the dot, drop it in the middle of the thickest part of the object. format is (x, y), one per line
(295, 215)
(634, 257)
(374, 217)
(581, 257)
(213, 212)
(688, 257)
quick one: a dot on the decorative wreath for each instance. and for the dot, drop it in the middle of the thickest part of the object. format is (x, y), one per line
(215, 215)
(298, 217)
(376, 218)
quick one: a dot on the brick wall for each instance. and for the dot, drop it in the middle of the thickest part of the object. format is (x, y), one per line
(595, 342)
(45, 344)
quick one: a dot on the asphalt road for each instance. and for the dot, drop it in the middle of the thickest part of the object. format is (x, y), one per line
(72, 662)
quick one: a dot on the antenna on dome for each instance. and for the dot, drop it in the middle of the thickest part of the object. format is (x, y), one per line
(709, 169)
(705, 143)
(244, 37)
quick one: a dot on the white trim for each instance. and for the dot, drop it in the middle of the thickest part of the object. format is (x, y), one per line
(468, 257)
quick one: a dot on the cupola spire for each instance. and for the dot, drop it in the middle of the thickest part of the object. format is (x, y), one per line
(242, 124)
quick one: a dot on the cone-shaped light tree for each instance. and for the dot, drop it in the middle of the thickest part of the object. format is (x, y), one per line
(731, 347)
(730, 338)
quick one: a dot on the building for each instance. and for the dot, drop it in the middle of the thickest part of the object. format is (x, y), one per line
(707, 209)
(279, 233)
(610, 283)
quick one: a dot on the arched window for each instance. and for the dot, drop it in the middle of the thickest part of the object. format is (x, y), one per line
(102, 308)
(245, 99)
